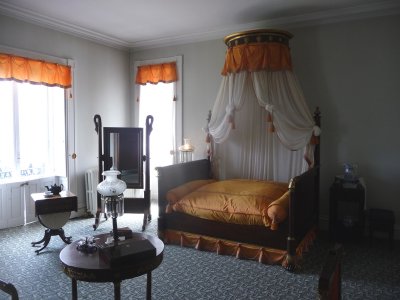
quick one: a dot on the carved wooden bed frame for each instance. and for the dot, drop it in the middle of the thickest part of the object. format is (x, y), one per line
(289, 240)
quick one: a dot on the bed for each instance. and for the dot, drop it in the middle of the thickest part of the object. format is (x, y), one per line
(272, 225)
(283, 244)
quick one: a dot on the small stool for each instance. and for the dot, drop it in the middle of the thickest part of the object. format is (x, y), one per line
(381, 220)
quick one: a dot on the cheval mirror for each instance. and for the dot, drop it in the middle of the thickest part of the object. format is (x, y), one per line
(122, 150)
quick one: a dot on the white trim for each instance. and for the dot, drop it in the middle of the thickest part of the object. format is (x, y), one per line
(70, 107)
(179, 94)
(363, 11)
(177, 59)
(25, 15)
(309, 19)
(33, 55)
(71, 133)
(324, 226)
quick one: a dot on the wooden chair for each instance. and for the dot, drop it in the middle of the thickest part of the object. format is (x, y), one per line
(10, 289)
(330, 279)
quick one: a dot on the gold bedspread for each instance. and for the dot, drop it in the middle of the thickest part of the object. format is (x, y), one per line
(251, 202)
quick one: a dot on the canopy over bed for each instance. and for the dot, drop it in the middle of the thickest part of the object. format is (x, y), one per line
(261, 108)
(258, 73)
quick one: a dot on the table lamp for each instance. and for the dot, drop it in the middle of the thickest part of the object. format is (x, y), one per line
(186, 151)
(111, 190)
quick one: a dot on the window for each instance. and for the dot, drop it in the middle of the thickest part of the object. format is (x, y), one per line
(32, 131)
(157, 100)
(164, 102)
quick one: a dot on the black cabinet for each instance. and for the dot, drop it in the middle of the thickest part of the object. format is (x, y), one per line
(346, 210)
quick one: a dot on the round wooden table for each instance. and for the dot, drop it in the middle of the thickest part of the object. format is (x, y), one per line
(91, 268)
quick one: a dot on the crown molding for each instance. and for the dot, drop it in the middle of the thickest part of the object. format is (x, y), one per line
(391, 7)
(319, 18)
(47, 22)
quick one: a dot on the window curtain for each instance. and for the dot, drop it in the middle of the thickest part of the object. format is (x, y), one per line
(156, 73)
(260, 122)
(24, 69)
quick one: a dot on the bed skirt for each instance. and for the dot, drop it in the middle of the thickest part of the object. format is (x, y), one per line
(261, 254)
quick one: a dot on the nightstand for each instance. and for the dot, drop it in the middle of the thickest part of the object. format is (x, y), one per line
(346, 210)
(53, 213)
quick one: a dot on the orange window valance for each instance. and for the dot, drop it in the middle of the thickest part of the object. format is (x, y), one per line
(256, 57)
(156, 73)
(24, 69)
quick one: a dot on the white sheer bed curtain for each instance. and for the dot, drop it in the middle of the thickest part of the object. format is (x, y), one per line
(244, 148)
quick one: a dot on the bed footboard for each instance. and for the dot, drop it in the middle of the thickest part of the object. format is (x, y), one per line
(303, 210)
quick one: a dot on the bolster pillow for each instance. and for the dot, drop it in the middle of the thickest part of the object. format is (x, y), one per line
(277, 211)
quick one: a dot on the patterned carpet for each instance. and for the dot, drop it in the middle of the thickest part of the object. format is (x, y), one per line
(369, 272)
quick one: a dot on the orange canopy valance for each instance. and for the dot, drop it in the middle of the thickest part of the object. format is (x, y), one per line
(154, 74)
(256, 57)
(257, 50)
(34, 71)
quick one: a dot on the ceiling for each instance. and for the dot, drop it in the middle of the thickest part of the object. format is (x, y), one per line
(139, 24)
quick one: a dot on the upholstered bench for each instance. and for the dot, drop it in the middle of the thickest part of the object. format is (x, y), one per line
(381, 220)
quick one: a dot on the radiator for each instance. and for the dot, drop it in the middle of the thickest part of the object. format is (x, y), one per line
(91, 182)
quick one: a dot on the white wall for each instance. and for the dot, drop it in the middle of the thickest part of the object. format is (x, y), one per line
(101, 82)
(351, 71)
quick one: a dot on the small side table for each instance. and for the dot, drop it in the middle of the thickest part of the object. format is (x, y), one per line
(91, 268)
(346, 211)
(53, 213)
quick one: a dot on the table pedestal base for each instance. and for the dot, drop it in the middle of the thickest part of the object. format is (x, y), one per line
(117, 288)
(47, 236)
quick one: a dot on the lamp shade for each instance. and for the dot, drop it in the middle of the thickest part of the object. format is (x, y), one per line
(111, 185)
(187, 146)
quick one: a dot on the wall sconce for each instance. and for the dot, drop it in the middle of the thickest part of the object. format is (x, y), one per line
(186, 151)
(111, 190)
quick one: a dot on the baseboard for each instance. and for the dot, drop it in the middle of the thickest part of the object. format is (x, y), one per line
(324, 225)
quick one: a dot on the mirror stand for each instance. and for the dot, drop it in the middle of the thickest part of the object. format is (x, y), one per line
(123, 150)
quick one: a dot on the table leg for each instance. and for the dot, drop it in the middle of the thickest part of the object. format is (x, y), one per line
(145, 218)
(66, 239)
(46, 239)
(148, 289)
(117, 290)
(74, 289)
(48, 233)
(41, 241)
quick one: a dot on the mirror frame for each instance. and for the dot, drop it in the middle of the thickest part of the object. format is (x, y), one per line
(137, 134)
